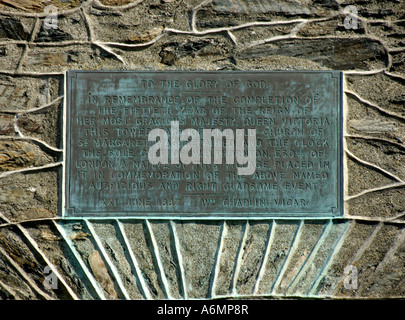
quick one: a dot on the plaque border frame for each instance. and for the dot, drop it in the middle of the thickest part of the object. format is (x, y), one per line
(69, 213)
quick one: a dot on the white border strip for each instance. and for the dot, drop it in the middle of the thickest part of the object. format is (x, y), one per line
(79, 259)
(308, 261)
(239, 259)
(272, 231)
(133, 261)
(161, 275)
(217, 261)
(64, 116)
(179, 259)
(290, 253)
(107, 259)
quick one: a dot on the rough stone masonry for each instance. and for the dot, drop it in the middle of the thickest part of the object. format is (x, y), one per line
(361, 255)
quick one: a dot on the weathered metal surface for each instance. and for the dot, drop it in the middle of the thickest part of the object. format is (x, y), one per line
(283, 156)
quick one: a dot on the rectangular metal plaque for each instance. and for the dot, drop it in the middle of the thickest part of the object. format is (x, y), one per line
(203, 144)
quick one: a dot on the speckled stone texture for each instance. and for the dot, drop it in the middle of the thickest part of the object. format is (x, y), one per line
(148, 259)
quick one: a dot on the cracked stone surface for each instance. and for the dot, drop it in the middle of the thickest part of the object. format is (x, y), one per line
(156, 260)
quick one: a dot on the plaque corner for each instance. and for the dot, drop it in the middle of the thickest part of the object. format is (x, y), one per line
(70, 211)
(335, 74)
(72, 74)
(336, 212)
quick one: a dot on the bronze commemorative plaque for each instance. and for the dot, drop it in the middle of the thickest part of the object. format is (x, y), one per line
(229, 144)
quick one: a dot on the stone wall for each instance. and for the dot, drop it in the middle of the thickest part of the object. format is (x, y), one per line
(141, 259)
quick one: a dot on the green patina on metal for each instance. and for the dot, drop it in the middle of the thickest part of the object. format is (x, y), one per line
(280, 155)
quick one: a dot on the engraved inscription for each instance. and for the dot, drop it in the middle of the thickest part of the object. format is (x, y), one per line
(203, 144)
